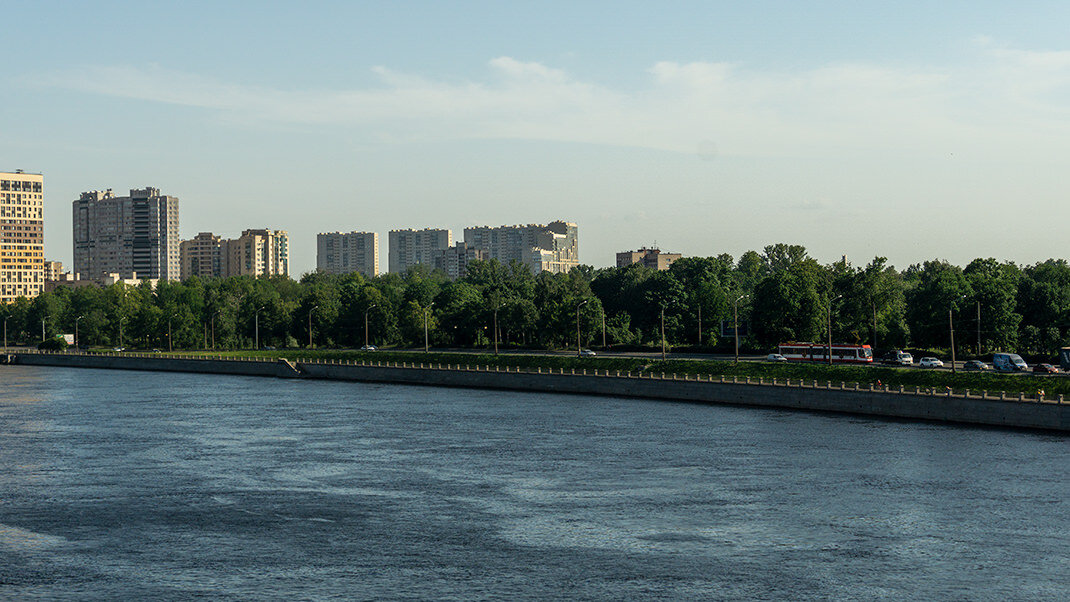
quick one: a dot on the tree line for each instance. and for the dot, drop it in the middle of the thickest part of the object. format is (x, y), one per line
(782, 293)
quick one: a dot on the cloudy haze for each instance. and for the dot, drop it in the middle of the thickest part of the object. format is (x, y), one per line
(703, 127)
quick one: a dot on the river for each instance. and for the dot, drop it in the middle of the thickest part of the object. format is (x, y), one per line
(120, 485)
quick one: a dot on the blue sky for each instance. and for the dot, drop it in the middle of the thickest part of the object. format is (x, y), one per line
(912, 131)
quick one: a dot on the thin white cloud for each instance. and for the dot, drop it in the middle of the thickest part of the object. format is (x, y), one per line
(685, 107)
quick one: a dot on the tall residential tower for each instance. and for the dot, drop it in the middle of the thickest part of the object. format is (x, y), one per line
(136, 234)
(410, 247)
(22, 235)
(553, 247)
(345, 252)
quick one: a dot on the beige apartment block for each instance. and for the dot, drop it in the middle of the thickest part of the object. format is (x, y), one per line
(204, 256)
(552, 247)
(411, 247)
(53, 270)
(259, 252)
(22, 235)
(74, 281)
(123, 235)
(454, 260)
(652, 258)
(347, 252)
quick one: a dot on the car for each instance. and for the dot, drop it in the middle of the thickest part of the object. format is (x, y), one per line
(369, 348)
(1045, 369)
(119, 349)
(156, 350)
(898, 358)
(587, 353)
(268, 348)
(930, 362)
(975, 366)
(775, 357)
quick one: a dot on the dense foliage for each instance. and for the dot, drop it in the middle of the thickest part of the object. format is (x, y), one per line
(782, 293)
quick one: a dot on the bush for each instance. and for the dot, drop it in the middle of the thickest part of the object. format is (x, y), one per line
(55, 344)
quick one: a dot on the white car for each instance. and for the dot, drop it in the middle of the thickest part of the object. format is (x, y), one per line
(369, 348)
(775, 357)
(587, 353)
(930, 362)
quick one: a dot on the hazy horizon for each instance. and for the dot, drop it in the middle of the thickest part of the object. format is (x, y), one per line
(912, 132)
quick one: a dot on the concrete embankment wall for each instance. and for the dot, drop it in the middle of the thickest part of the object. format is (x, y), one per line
(960, 408)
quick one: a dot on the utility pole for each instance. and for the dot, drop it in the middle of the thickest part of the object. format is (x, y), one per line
(829, 350)
(310, 325)
(427, 348)
(578, 354)
(951, 328)
(662, 334)
(735, 323)
(370, 307)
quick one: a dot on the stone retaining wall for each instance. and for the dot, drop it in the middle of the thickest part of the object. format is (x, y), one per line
(961, 407)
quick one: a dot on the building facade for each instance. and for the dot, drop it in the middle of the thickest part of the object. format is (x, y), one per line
(259, 252)
(553, 247)
(204, 256)
(53, 270)
(22, 235)
(126, 235)
(346, 252)
(454, 260)
(651, 258)
(410, 247)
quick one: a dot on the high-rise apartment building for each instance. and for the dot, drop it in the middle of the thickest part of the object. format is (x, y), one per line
(22, 235)
(410, 247)
(204, 256)
(259, 252)
(53, 270)
(345, 252)
(651, 258)
(553, 247)
(454, 260)
(136, 234)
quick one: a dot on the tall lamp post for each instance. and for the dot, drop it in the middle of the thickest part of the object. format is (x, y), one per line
(170, 344)
(121, 320)
(42, 330)
(735, 322)
(218, 311)
(76, 320)
(370, 307)
(581, 304)
(829, 350)
(663, 333)
(310, 325)
(495, 329)
(256, 332)
(5, 333)
(427, 347)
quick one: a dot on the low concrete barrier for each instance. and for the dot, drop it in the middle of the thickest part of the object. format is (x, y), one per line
(943, 406)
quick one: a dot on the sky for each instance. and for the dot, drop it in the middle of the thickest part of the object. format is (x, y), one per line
(907, 130)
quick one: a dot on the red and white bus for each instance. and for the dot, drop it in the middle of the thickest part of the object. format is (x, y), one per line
(842, 353)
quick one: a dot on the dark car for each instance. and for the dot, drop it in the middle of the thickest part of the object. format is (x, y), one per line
(1045, 369)
(975, 366)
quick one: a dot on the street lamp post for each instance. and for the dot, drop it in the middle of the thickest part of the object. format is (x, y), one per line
(582, 303)
(700, 325)
(662, 334)
(121, 320)
(829, 349)
(42, 330)
(213, 326)
(603, 328)
(310, 325)
(76, 332)
(5, 333)
(978, 329)
(427, 347)
(370, 307)
(170, 344)
(495, 330)
(735, 323)
(256, 331)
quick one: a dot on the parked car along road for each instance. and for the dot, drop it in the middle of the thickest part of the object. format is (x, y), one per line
(930, 362)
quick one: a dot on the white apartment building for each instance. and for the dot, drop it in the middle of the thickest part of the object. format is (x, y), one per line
(410, 247)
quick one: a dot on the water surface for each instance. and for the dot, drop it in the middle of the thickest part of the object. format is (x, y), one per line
(170, 486)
